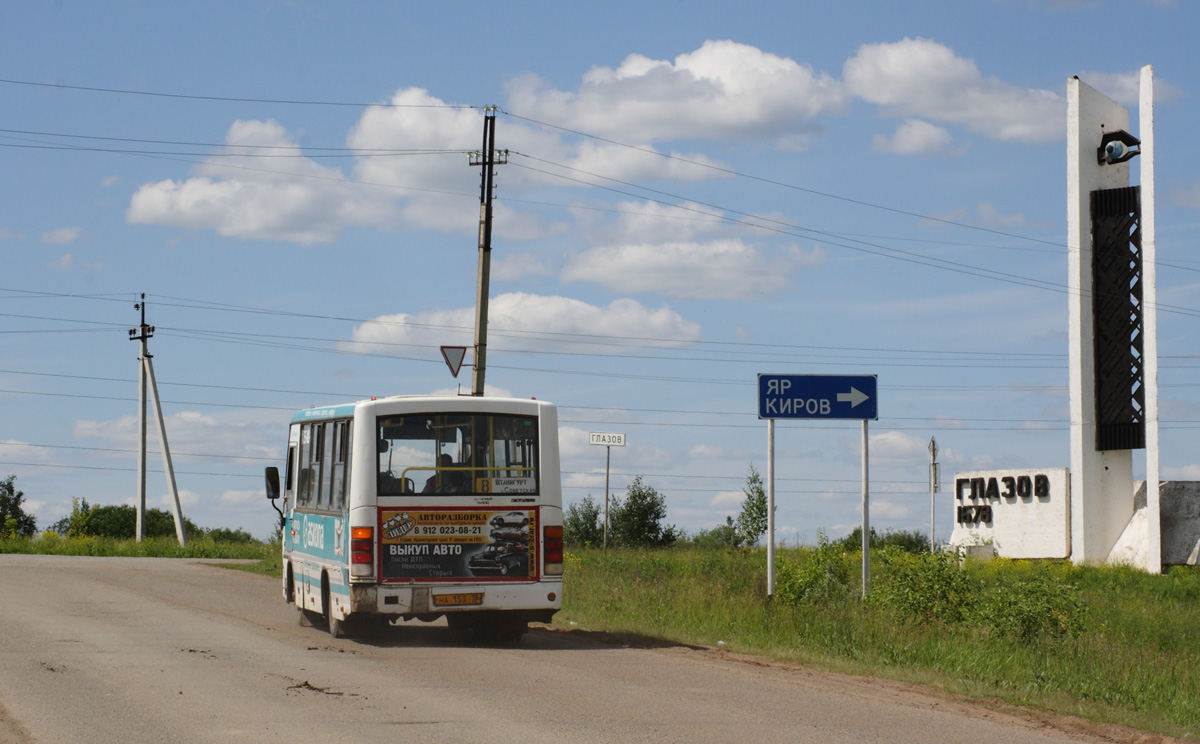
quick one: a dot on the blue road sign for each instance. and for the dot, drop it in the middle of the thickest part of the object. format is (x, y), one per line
(824, 397)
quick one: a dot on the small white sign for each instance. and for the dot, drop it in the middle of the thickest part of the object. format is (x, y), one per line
(607, 438)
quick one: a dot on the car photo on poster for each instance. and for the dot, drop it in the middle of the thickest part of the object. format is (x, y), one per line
(512, 520)
(503, 558)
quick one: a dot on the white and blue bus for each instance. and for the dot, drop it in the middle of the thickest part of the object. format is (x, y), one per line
(423, 507)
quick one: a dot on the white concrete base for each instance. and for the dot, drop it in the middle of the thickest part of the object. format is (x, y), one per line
(1179, 504)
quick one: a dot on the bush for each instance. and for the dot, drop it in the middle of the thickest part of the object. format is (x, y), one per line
(909, 542)
(819, 574)
(925, 586)
(225, 535)
(722, 536)
(1040, 605)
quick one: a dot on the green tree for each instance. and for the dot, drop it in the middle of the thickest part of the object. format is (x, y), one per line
(582, 527)
(74, 524)
(14, 522)
(118, 522)
(752, 522)
(637, 522)
(722, 536)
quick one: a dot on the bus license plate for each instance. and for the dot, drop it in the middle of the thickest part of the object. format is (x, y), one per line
(455, 600)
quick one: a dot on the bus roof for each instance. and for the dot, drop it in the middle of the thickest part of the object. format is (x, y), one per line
(441, 402)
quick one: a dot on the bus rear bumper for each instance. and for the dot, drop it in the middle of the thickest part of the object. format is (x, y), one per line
(534, 598)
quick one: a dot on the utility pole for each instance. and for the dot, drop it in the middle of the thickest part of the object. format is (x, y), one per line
(487, 158)
(935, 482)
(142, 334)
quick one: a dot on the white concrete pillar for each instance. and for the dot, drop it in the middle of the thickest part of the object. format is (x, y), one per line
(1101, 482)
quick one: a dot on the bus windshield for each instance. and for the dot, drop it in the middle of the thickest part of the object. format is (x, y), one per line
(457, 453)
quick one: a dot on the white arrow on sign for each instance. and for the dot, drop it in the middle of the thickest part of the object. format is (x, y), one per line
(855, 396)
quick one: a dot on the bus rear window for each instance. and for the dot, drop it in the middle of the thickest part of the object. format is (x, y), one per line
(457, 453)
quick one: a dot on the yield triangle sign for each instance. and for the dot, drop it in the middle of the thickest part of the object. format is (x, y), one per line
(454, 357)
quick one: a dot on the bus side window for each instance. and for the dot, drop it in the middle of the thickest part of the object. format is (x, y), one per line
(304, 479)
(341, 453)
(289, 480)
(321, 458)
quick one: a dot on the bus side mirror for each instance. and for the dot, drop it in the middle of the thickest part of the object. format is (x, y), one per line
(272, 483)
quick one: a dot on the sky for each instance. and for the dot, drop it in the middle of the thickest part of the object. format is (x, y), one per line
(695, 193)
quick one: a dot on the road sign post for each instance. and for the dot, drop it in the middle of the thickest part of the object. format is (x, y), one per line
(607, 439)
(822, 398)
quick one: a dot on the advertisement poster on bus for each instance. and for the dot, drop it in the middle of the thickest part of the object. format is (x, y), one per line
(458, 543)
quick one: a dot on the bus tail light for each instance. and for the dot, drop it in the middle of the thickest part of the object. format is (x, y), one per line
(552, 541)
(362, 551)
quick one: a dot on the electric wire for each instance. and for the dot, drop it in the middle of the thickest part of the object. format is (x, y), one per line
(234, 99)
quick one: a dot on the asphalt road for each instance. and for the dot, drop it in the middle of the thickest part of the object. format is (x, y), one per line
(161, 650)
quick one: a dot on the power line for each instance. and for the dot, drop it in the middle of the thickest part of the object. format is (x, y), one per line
(232, 99)
(120, 470)
(772, 182)
(306, 148)
(133, 451)
(874, 249)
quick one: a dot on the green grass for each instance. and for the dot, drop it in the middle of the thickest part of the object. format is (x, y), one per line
(1110, 644)
(152, 547)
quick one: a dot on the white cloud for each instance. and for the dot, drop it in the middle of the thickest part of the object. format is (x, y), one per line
(186, 499)
(916, 137)
(521, 320)
(239, 497)
(1125, 87)
(23, 452)
(422, 180)
(723, 90)
(919, 77)
(983, 213)
(516, 266)
(62, 263)
(434, 186)
(277, 198)
(67, 262)
(8, 234)
(62, 235)
(724, 269)
(189, 431)
(881, 510)
(729, 501)
(896, 445)
(109, 182)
